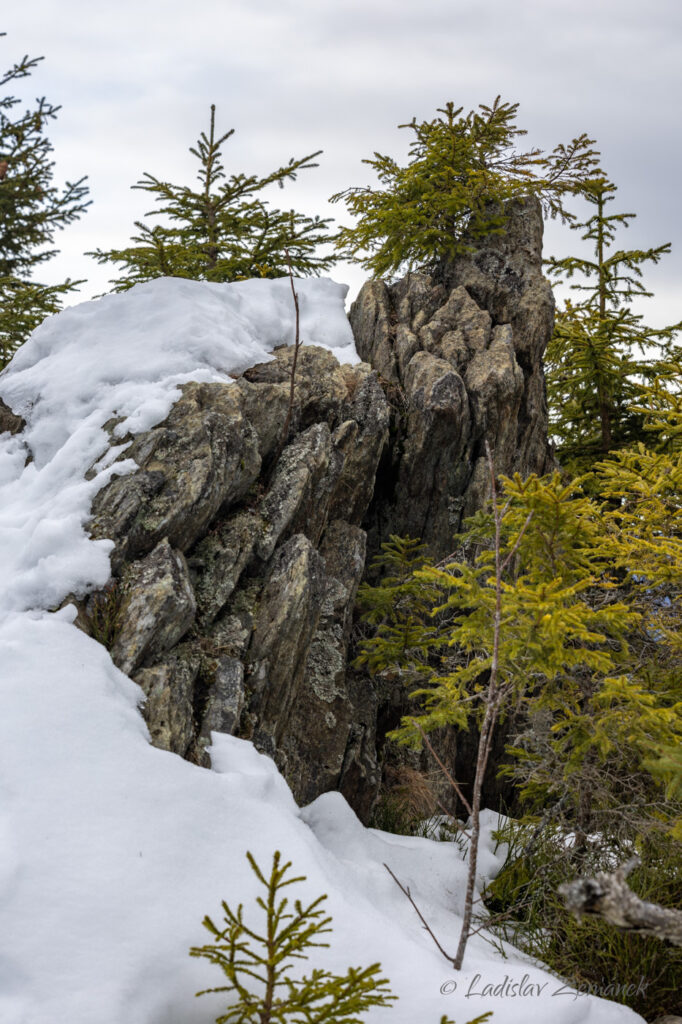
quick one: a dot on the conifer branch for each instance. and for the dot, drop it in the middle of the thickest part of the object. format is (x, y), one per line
(242, 953)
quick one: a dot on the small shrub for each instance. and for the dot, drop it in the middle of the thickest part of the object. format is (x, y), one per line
(247, 956)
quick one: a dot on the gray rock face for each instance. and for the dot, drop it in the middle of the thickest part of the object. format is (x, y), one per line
(203, 456)
(226, 699)
(319, 727)
(285, 624)
(158, 608)
(218, 561)
(9, 421)
(240, 551)
(239, 616)
(289, 502)
(463, 357)
(169, 693)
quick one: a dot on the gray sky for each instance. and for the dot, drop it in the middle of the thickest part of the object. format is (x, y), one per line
(136, 78)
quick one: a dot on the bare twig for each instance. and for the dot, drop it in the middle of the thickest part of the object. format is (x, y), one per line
(492, 704)
(297, 345)
(406, 891)
(517, 543)
(445, 771)
(495, 695)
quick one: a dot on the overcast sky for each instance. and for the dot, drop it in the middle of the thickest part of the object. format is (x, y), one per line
(136, 79)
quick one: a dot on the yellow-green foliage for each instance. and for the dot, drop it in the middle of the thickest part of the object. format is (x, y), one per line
(257, 964)
(599, 359)
(400, 607)
(589, 636)
(461, 168)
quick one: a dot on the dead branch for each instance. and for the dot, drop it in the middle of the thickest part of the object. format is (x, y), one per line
(517, 543)
(297, 345)
(608, 896)
(406, 891)
(445, 771)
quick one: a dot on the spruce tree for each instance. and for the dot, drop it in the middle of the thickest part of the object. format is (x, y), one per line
(462, 169)
(222, 230)
(568, 607)
(589, 622)
(257, 963)
(602, 354)
(32, 209)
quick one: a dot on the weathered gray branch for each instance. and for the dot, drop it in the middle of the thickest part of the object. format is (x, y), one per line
(608, 896)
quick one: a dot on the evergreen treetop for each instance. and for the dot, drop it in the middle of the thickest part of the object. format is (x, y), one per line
(258, 963)
(32, 209)
(462, 168)
(612, 279)
(602, 356)
(221, 230)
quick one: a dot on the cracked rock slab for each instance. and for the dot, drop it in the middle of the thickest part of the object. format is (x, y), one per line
(203, 457)
(157, 609)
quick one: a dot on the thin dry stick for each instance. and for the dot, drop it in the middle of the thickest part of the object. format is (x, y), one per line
(445, 771)
(406, 891)
(494, 698)
(517, 543)
(297, 345)
(487, 727)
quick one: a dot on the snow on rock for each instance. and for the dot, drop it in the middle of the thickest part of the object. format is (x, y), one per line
(112, 851)
(124, 356)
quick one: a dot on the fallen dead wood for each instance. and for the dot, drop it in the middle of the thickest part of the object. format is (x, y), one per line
(608, 896)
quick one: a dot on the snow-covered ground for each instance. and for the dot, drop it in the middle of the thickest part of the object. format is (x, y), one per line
(112, 852)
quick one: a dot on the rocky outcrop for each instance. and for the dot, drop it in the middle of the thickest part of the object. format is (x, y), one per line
(462, 359)
(157, 608)
(238, 559)
(238, 552)
(204, 456)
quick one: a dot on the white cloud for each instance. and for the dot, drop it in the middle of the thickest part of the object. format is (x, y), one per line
(136, 81)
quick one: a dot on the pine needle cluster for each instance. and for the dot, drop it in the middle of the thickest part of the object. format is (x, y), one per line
(258, 963)
(462, 168)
